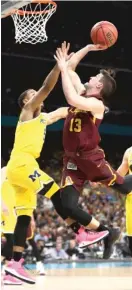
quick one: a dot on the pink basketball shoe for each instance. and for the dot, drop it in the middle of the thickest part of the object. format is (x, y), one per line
(10, 280)
(17, 270)
(88, 238)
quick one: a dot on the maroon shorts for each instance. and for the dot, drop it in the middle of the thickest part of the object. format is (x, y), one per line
(91, 166)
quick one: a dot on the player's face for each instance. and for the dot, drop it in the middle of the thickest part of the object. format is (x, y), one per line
(30, 95)
(95, 81)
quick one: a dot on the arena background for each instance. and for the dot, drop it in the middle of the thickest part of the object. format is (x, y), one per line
(25, 66)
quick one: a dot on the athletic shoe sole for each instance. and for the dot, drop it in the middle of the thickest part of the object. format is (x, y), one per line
(17, 275)
(85, 244)
(11, 283)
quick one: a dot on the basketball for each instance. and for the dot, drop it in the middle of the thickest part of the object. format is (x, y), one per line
(104, 33)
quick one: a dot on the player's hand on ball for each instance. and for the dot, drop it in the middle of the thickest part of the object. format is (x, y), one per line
(96, 47)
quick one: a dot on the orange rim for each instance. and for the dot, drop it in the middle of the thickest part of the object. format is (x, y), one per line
(21, 12)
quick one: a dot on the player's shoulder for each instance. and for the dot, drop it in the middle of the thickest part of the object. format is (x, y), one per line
(129, 149)
(127, 152)
(44, 117)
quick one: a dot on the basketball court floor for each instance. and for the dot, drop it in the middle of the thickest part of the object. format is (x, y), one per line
(83, 276)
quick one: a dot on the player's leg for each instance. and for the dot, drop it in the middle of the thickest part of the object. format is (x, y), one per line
(29, 180)
(72, 183)
(129, 220)
(126, 186)
(55, 195)
(52, 191)
(99, 170)
(39, 265)
(7, 249)
(70, 199)
(30, 237)
(57, 202)
(7, 252)
(25, 204)
(8, 226)
(64, 210)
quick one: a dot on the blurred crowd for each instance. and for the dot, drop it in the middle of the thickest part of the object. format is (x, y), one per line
(56, 241)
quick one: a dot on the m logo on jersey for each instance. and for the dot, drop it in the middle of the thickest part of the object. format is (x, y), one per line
(34, 175)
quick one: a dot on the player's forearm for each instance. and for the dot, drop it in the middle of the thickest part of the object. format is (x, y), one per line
(79, 87)
(75, 100)
(45, 90)
(57, 115)
(78, 56)
(51, 79)
(122, 170)
(68, 89)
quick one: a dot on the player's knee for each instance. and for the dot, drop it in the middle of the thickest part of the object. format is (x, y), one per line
(126, 186)
(69, 199)
(21, 229)
(23, 220)
(56, 200)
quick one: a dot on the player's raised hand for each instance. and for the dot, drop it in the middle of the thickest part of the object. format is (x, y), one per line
(60, 57)
(65, 49)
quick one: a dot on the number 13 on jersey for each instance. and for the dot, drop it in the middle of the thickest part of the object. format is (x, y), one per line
(75, 125)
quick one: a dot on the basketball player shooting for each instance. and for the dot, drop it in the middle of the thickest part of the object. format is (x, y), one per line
(84, 159)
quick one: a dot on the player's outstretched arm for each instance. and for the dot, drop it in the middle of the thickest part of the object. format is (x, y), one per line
(46, 88)
(123, 168)
(80, 54)
(48, 83)
(56, 115)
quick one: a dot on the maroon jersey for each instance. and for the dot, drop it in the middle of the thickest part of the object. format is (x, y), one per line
(80, 131)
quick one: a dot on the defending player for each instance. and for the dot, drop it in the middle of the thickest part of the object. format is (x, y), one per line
(84, 159)
(23, 171)
(124, 168)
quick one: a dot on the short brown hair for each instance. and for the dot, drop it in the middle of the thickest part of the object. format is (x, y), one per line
(109, 84)
(21, 98)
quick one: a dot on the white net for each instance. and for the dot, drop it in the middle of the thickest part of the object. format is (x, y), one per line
(31, 27)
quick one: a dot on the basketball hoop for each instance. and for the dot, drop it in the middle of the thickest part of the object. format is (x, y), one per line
(30, 21)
